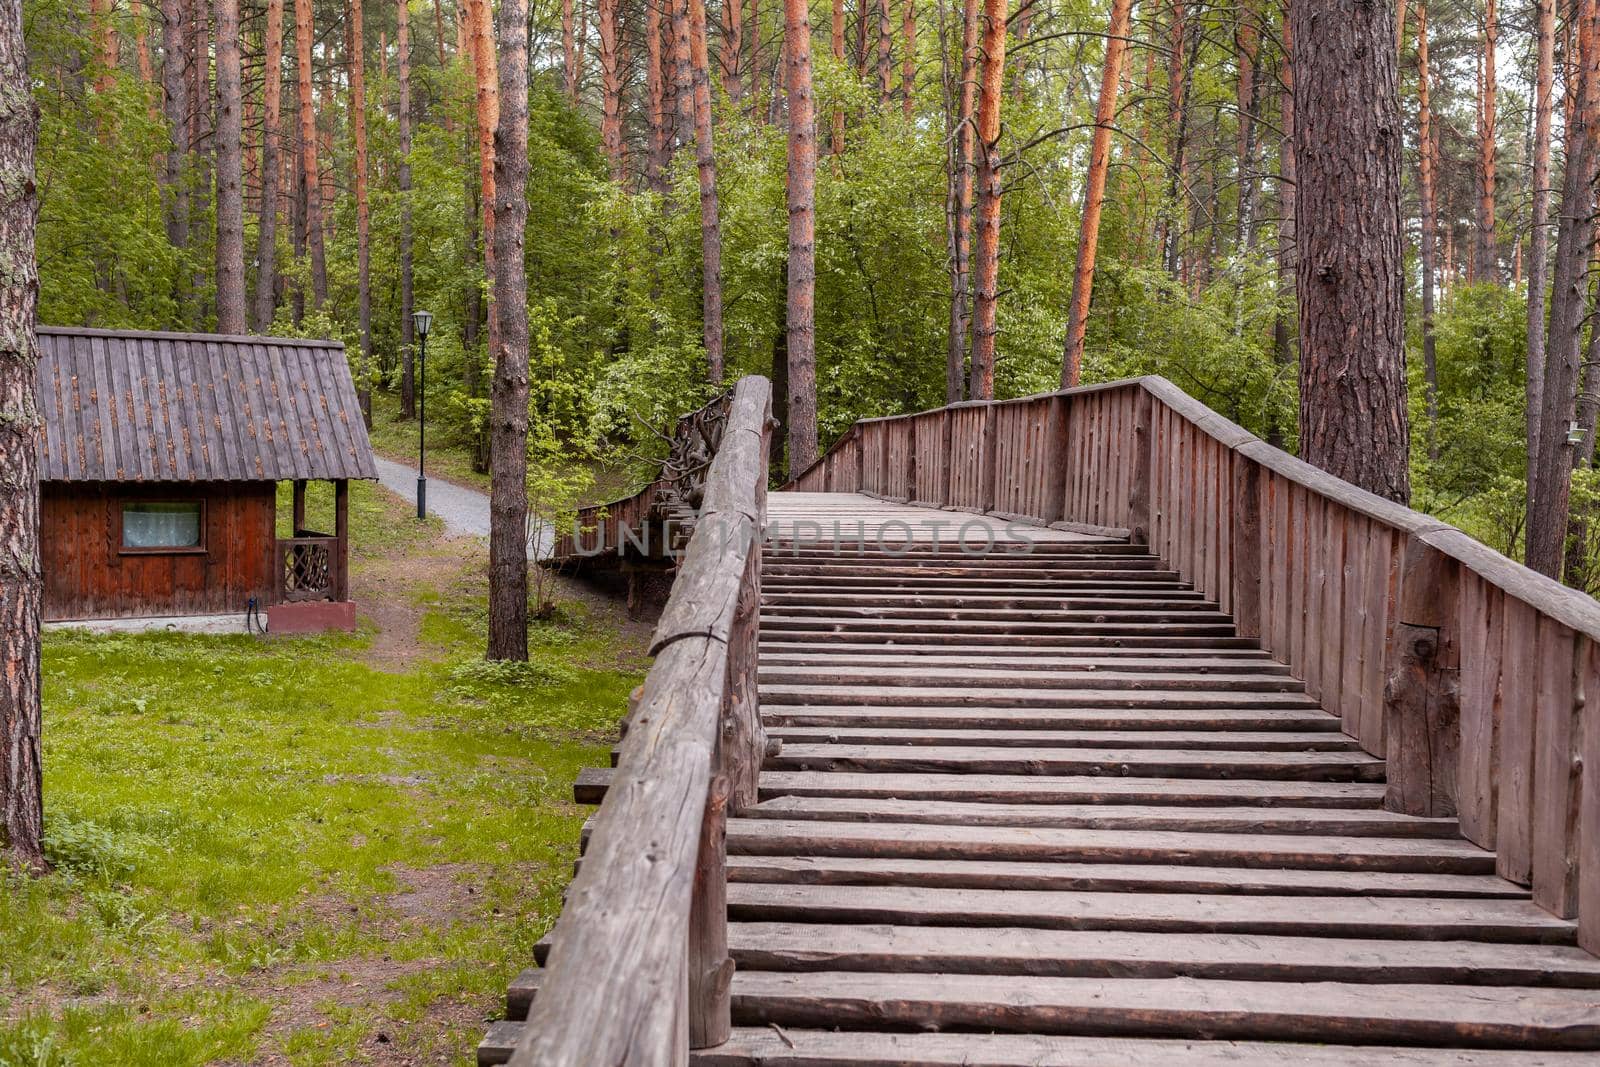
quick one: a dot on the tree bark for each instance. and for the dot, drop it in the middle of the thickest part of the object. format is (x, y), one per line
(986, 267)
(885, 54)
(802, 270)
(569, 52)
(1283, 328)
(488, 117)
(1486, 260)
(230, 173)
(266, 295)
(962, 139)
(21, 581)
(655, 89)
(508, 485)
(1548, 510)
(311, 173)
(175, 94)
(710, 220)
(611, 86)
(908, 61)
(408, 377)
(105, 45)
(1094, 192)
(1353, 419)
(358, 122)
(1539, 235)
(836, 44)
(1425, 187)
(1247, 38)
(730, 57)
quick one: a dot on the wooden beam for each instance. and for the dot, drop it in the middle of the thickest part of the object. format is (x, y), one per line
(341, 533)
(1422, 688)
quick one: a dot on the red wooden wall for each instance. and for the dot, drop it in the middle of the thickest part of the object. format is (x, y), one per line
(86, 576)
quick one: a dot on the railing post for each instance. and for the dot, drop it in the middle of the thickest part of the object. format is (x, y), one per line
(908, 443)
(1139, 491)
(946, 457)
(1422, 714)
(986, 459)
(710, 966)
(1055, 462)
(1245, 576)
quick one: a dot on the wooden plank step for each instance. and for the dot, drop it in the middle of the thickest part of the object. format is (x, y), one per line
(1413, 918)
(856, 585)
(1125, 614)
(1219, 665)
(1111, 877)
(1487, 1017)
(771, 836)
(1150, 763)
(988, 567)
(1122, 954)
(979, 605)
(986, 677)
(1161, 718)
(947, 546)
(1053, 626)
(794, 1047)
(911, 641)
(1364, 822)
(1022, 737)
(1154, 697)
(592, 782)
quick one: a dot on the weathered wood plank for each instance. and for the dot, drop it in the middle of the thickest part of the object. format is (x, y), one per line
(1300, 766)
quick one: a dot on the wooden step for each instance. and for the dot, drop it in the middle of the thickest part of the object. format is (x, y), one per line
(911, 641)
(979, 606)
(1488, 1017)
(772, 836)
(1021, 737)
(1122, 954)
(1110, 877)
(1414, 918)
(1373, 822)
(1054, 626)
(1148, 763)
(1125, 614)
(1138, 718)
(986, 677)
(592, 782)
(978, 588)
(1154, 698)
(1222, 665)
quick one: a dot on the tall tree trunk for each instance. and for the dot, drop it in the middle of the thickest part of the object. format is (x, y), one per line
(230, 173)
(656, 90)
(21, 581)
(611, 86)
(1539, 237)
(1247, 37)
(408, 376)
(1549, 508)
(271, 166)
(488, 118)
(569, 51)
(730, 61)
(1283, 328)
(986, 267)
(358, 121)
(508, 485)
(908, 61)
(202, 143)
(710, 220)
(885, 54)
(1094, 192)
(802, 268)
(175, 96)
(752, 34)
(141, 47)
(1430, 360)
(310, 172)
(105, 45)
(961, 140)
(1353, 420)
(836, 44)
(1486, 258)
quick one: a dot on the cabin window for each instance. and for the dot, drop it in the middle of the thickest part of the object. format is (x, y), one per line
(162, 526)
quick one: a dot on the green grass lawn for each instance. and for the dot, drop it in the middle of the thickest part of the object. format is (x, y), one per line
(309, 850)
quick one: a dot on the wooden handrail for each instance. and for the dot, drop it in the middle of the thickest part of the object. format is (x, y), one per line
(639, 969)
(1471, 674)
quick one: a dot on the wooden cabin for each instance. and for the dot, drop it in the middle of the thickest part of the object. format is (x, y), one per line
(159, 469)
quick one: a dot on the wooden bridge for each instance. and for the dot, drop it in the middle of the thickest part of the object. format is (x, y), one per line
(1080, 729)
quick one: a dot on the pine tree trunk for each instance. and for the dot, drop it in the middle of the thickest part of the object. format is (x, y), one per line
(962, 140)
(408, 339)
(752, 34)
(1486, 264)
(230, 173)
(508, 485)
(266, 303)
(1539, 236)
(202, 143)
(908, 61)
(836, 44)
(488, 116)
(986, 266)
(1425, 187)
(611, 86)
(141, 47)
(1548, 510)
(311, 174)
(885, 54)
(1094, 192)
(656, 90)
(730, 56)
(21, 581)
(802, 268)
(175, 94)
(358, 122)
(569, 51)
(105, 45)
(1247, 37)
(710, 212)
(1283, 322)
(1353, 420)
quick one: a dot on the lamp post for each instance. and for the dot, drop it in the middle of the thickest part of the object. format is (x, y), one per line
(422, 320)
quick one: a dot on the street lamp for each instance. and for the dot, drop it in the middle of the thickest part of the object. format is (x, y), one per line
(422, 320)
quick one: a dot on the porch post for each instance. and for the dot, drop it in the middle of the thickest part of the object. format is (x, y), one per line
(341, 531)
(299, 507)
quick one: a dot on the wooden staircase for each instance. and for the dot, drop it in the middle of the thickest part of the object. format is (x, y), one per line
(1046, 807)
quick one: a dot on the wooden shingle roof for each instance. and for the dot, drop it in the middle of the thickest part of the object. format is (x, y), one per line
(130, 406)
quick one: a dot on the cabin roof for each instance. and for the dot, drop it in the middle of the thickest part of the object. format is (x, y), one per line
(133, 406)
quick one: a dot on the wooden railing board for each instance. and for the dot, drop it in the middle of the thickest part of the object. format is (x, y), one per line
(1311, 566)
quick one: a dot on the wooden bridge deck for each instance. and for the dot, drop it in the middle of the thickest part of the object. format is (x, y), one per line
(1045, 807)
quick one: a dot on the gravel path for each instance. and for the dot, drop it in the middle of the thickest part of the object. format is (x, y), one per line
(465, 511)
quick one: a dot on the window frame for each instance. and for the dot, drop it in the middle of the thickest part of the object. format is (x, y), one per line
(125, 549)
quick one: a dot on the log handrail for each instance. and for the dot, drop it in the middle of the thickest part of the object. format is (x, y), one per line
(1471, 674)
(638, 970)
